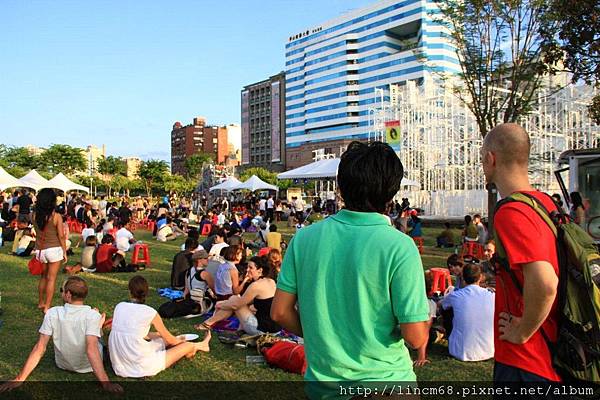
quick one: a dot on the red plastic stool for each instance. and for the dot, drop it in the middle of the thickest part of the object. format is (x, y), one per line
(206, 228)
(151, 226)
(473, 249)
(144, 258)
(264, 251)
(441, 280)
(419, 242)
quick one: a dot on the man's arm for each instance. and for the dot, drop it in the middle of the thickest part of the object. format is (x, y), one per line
(283, 311)
(32, 361)
(539, 291)
(93, 354)
(415, 334)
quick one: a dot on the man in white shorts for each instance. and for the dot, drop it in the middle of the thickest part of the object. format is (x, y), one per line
(72, 351)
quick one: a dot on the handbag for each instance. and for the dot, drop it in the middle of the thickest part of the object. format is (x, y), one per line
(35, 266)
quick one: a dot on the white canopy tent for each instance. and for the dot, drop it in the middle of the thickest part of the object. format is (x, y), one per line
(34, 180)
(255, 183)
(326, 168)
(227, 185)
(63, 183)
(409, 182)
(8, 181)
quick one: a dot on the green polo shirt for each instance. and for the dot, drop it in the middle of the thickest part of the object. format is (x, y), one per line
(356, 278)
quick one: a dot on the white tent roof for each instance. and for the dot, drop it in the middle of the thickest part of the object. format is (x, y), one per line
(326, 168)
(255, 183)
(7, 180)
(227, 185)
(410, 182)
(65, 184)
(34, 180)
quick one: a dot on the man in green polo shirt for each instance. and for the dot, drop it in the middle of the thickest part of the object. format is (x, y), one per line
(356, 279)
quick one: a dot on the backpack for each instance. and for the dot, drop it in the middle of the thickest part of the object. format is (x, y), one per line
(286, 355)
(181, 264)
(178, 308)
(199, 295)
(577, 350)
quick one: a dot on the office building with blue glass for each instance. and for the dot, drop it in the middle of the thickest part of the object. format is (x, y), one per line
(334, 69)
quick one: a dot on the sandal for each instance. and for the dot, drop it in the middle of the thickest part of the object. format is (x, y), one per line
(203, 326)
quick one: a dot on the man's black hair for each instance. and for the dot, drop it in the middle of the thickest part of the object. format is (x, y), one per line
(273, 228)
(369, 176)
(190, 243)
(453, 259)
(193, 233)
(471, 273)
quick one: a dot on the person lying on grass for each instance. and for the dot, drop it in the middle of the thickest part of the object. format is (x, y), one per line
(254, 306)
(135, 352)
(72, 351)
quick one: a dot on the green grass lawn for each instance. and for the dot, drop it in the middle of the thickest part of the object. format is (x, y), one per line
(21, 320)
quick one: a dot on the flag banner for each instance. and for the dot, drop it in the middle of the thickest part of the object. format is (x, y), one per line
(392, 134)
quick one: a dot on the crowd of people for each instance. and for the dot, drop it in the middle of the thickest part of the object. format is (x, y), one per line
(367, 249)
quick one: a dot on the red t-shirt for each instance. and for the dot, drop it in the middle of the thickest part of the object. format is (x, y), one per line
(104, 255)
(526, 238)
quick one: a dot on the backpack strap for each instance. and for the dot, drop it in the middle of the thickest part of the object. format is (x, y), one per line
(542, 211)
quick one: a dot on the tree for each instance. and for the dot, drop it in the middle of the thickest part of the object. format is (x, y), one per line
(151, 172)
(178, 184)
(112, 167)
(118, 182)
(498, 45)
(17, 159)
(63, 158)
(194, 164)
(571, 35)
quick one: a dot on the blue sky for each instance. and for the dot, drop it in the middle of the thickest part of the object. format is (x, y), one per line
(122, 72)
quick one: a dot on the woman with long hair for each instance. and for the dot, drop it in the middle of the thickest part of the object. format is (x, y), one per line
(51, 244)
(259, 294)
(577, 209)
(135, 352)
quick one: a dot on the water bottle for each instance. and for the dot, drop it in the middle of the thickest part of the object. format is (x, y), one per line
(255, 360)
(595, 272)
(1, 236)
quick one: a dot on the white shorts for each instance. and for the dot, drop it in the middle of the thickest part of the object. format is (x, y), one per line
(50, 255)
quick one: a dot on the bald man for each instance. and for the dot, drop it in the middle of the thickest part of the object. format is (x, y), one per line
(521, 352)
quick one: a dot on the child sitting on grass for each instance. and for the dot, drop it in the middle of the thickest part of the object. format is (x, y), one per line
(88, 254)
(88, 258)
